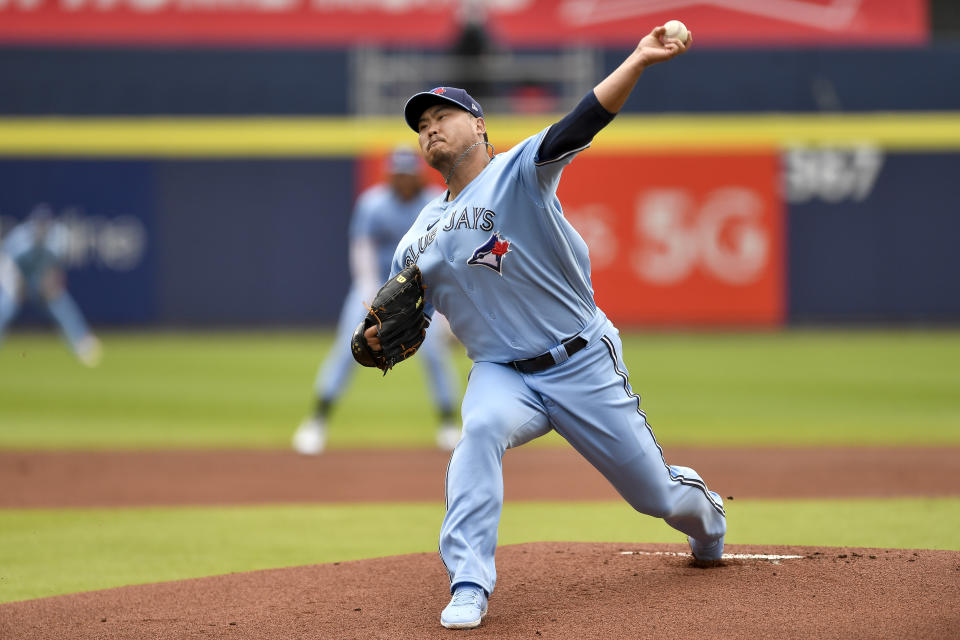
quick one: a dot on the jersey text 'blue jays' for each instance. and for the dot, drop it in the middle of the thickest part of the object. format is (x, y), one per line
(501, 262)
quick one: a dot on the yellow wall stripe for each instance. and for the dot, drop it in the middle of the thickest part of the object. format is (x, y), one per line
(341, 136)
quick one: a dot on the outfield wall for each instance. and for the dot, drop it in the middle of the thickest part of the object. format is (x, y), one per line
(220, 81)
(193, 241)
(692, 220)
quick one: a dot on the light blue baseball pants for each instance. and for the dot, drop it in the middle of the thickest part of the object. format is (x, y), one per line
(63, 308)
(589, 401)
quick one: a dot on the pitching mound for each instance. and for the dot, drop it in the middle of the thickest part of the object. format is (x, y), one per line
(546, 590)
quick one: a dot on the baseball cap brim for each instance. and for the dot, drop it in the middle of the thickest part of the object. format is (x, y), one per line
(404, 163)
(420, 102)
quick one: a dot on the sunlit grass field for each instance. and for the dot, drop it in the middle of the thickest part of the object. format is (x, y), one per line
(46, 552)
(249, 390)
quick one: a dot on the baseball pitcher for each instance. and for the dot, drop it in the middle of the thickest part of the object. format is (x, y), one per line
(496, 256)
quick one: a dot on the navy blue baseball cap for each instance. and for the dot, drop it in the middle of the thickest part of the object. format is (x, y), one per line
(404, 160)
(420, 102)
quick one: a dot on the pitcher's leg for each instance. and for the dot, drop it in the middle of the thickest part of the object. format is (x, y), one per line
(605, 424)
(499, 411)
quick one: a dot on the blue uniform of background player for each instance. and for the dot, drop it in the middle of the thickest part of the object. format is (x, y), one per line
(381, 216)
(31, 258)
(512, 277)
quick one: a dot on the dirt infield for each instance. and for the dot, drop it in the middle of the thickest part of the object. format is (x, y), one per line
(564, 591)
(68, 479)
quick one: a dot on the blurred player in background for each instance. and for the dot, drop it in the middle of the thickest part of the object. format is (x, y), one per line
(382, 215)
(31, 268)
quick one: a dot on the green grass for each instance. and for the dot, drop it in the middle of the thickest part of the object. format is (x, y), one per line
(237, 390)
(249, 390)
(48, 552)
(801, 387)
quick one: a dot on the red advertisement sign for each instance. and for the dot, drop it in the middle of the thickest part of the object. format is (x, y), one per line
(514, 23)
(682, 239)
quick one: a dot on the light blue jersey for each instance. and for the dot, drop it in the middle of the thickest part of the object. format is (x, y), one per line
(383, 218)
(34, 255)
(501, 262)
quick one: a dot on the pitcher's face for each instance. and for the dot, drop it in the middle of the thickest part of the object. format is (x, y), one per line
(446, 132)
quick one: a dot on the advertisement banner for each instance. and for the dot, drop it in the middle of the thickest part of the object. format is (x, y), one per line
(681, 238)
(108, 211)
(513, 23)
(872, 234)
(182, 242)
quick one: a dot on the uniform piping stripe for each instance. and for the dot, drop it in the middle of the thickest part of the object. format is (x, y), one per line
(446, 507)
(677, 477)
(446, 480)
(561, 157)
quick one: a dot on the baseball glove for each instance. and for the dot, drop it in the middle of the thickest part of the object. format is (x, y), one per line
(397, 312)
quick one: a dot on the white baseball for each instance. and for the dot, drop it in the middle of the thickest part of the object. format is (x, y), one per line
(676, 29)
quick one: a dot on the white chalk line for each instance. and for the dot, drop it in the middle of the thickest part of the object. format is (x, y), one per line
(773, 558)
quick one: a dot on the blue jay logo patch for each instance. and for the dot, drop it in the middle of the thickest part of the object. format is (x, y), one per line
(490, 254)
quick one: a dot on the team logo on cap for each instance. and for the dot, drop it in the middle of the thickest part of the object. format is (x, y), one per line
(439, 90)
(490, 254)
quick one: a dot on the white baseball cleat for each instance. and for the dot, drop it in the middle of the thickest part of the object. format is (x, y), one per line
(89, 351)
(310, 439)
(448, 435)
(466, 609)
(711, 553)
